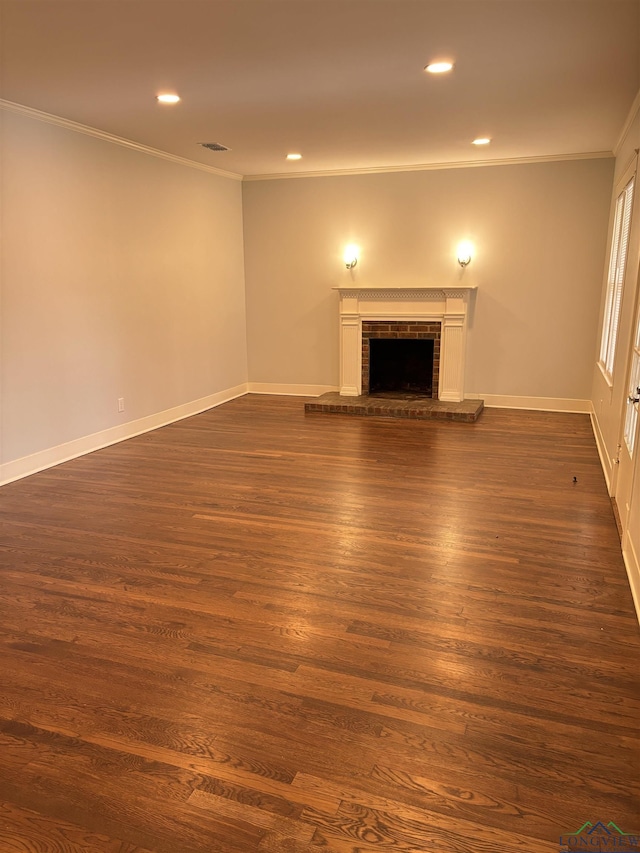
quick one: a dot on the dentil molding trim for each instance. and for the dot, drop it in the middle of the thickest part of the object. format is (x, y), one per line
(404, 292)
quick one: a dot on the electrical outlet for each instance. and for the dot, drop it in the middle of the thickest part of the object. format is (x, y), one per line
(121, 404)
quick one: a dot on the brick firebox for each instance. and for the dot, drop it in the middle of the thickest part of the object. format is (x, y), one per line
(402, 330)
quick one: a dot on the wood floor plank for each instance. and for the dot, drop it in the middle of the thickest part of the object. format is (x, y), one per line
(19, 827)
(255, 631)
(286, 827)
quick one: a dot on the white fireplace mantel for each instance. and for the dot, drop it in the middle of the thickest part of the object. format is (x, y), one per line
(445, 305)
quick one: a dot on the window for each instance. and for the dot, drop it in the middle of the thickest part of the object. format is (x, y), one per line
(615, 278)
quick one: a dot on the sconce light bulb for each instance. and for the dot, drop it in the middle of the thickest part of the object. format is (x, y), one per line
(351, 253)
(464, 253)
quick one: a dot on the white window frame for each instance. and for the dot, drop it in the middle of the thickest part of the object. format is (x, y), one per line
(616, 272)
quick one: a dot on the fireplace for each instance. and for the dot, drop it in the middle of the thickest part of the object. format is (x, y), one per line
(401, 358)
(437, 313)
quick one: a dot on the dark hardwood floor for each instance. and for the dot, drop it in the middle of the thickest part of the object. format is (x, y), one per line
(260, 630)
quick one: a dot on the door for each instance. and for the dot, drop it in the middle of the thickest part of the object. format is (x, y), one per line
(630, 438)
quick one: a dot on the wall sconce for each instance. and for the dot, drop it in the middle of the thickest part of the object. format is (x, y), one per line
(350, 256)
(465, 251)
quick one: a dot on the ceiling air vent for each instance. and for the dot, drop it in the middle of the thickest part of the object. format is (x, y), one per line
(214, 146)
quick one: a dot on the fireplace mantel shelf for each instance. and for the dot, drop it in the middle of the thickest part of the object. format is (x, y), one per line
(410, 291)
(445, 305)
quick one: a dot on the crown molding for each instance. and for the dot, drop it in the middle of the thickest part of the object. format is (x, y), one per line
(626, 127)
(68, 124)
(427, 167)
(50, 118)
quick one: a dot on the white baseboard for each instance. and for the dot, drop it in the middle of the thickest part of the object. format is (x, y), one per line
(19, 468)
(290, 390)
(632, 564)
(542, 404)
(605, 462)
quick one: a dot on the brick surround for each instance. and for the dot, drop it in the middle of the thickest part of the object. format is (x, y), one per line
(401, 330)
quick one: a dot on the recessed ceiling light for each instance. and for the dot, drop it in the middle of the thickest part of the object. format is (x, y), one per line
(168, 99)
(294, 156)
(481, 140)
(438, 67)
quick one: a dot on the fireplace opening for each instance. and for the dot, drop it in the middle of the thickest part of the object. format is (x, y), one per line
(413, 370)
(401, 365)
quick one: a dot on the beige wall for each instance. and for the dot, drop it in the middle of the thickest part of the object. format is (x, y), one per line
(122, 276)
(539, 231)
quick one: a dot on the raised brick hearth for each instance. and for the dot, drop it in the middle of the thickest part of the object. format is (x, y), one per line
(410, 406)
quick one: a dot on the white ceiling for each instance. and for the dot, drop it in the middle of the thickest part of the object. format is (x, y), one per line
(341, 81)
